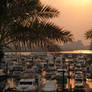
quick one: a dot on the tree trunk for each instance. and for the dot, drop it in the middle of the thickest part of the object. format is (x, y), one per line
(1, 55)
(3, 5)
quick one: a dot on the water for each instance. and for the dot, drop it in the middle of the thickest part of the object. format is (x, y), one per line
(62, 52)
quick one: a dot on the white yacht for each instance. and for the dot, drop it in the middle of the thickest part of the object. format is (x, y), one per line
(51, 66)
(60, 72)
(50, 73)
(26, 85)
(79, 84)
(17, 70)
(2, 74)
(50, 86)
(58, 62)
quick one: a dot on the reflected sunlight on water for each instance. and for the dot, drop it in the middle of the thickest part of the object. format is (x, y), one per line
(62, 52)
(11, 83)
(89, 82)
(43, 81)
(44, 73)
(83, 51)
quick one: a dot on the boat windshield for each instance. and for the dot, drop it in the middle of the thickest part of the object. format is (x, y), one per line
(18, 69)
(50, 70)
(51, 65)
(26, 83)
(50, 85)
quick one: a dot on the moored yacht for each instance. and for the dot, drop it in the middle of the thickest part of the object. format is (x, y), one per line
(2, 74)
(27, 84)
(50, 86)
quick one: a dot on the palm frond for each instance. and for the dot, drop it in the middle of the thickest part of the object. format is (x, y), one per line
(88, 34)
(48, 12)
(26, 9)
(22, 25)
(35, 33)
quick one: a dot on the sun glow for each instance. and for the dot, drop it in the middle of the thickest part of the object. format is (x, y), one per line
(79, 51)
(80, 2)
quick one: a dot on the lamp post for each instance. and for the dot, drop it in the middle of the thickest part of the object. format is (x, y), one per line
(69, 76)
(63, 86)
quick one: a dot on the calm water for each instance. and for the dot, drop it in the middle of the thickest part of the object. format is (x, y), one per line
(62, 52)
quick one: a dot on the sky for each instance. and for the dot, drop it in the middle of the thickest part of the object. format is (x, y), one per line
(75, 16)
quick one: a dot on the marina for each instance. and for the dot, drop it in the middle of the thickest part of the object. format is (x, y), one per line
(42, 53)
(44, 73)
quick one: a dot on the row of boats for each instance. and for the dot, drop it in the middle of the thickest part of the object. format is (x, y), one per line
(34, 76)
(38, 74)
(26, 85)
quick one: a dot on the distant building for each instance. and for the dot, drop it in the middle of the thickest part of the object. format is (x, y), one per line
(75, 45)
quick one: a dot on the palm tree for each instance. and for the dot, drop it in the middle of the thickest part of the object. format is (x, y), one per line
(88, 35)
(26, 23)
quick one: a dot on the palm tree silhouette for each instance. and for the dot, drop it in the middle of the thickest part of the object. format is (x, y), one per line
(27, 23)
(88, 35)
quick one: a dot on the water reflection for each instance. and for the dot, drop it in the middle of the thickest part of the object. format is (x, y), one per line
(62, 52)
(89, 82)
(12, 83)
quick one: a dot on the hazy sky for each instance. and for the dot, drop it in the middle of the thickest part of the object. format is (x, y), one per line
(75, 15)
